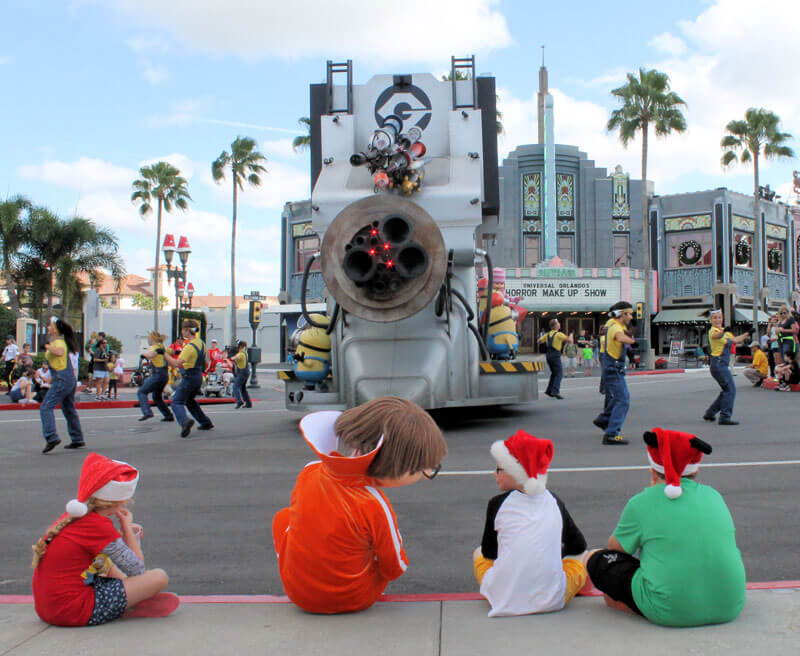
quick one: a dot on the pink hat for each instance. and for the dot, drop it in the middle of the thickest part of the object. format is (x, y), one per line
(526, 458)
(105, 479)
(498, 274)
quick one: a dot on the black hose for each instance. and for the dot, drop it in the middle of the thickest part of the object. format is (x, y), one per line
(334, 317)
(470, 316)
(304, 282)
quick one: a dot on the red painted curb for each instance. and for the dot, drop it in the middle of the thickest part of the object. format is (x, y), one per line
(104, 405)
(390, 598)
(772, 385)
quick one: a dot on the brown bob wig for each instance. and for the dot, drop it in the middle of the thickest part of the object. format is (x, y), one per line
(412, 442)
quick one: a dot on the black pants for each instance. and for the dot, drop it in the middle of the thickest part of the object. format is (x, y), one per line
(771, 360)
(612, 573)
(112, 386)
(7, 372)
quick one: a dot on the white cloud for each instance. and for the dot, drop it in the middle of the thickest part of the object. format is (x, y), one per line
(147, 44)
(154, 74)
(280, 184)
(356, 28)
(281, 148)
(85, 173)
(5, 60)
(181, 162)
(668, 43)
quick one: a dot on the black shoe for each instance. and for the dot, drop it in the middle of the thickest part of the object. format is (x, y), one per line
(248, 405)
(207, 426)
(614, 439)
(145, 417)
(709, 418)
(548, 394)
(168, 419)
(75, 445)
(50, 446)
(728, 422)
(239, 404)
(759, 383)
(186, 427)
(557, 396)
(599, 424)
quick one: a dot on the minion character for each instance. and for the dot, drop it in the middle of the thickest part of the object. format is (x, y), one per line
(502, 337)
(483, 285)
(311, 360)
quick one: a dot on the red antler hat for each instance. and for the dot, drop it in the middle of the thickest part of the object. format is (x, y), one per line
(674, 454)
(105, 479)
(526, 458)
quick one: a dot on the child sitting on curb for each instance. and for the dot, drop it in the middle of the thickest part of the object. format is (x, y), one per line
(521, 564)
(689, 571)
(85, 572)
(338, 544)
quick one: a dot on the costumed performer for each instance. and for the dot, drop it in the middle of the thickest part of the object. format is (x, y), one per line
(157, 380)
(720, 340)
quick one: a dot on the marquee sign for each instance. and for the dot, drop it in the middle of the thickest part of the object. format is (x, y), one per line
(580, 294)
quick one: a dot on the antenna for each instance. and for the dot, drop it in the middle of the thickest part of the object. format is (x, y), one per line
(542, 55)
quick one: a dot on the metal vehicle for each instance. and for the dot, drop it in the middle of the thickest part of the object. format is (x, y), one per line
(398, 256)
(141, 372)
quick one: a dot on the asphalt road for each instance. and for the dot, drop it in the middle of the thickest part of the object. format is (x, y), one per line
(207, 503)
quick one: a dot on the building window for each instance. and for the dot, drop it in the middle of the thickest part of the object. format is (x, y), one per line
(742, 255)
(621, 257)
(689, 248)
(776, 260)
(305, 247)
(531, 250)
(565, 248)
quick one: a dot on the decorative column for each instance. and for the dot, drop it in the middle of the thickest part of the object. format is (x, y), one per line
(549, 228)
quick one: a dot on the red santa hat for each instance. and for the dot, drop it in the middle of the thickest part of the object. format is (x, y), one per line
(674, 454)
(105, 479)
(526, 458)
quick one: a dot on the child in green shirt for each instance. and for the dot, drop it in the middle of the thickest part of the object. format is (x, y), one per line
(689, 571)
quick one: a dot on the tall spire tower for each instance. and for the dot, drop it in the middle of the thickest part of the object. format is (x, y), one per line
(540, 98)
(547, 139)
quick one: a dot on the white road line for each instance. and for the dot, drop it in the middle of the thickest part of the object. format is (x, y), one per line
(763, 463)
(84, 417)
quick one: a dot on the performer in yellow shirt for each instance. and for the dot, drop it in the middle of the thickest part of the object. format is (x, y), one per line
(758, 369)
(157, 380)
(618, 399)
(62, 390)
(720, 341)
(191, 361)
(242, 373)
(555, 343)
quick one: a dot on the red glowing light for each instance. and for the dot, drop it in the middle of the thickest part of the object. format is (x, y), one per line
(386, 246)
(372, 251)
(389, 263)
(373, 232)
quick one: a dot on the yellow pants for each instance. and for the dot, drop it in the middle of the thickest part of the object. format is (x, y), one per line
(574, 569)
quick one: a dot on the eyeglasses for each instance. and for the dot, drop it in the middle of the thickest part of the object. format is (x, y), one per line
(498, 470)
(430, 474)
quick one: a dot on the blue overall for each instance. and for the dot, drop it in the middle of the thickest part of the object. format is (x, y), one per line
(720, 366)
(62, 391)
(618, 400)
(240, 386)
(556, 369)
(188, 389)
(154, 385)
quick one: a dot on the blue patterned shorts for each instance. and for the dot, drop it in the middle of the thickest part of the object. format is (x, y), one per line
(110, 600)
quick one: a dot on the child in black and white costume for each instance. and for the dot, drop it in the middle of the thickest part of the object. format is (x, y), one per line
(521, 564)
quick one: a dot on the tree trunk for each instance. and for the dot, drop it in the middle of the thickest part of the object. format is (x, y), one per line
(156, 272)
(11, 288)
(757, 249)
(233, 263)
(50, 292)
(648, 291)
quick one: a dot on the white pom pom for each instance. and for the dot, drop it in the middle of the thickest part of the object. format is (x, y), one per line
(76, 508)
(673, 491)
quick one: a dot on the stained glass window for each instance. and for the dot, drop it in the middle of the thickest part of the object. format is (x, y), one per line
(620, 206)
(531, 195)
(531, 250)
(565, 194)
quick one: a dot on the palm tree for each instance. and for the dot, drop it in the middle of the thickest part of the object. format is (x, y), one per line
(245, 164)
(746, 140)
(12, 235)
(646, 100)
(163, 183)
(43, 248)
(303, 141)
(85, 248)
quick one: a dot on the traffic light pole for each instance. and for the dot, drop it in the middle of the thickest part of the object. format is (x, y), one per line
(254, 353)
(253, 373)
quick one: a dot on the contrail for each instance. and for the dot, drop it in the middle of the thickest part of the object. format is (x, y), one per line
(236, 124)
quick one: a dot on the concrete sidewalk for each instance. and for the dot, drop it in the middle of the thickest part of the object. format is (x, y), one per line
(769, 624)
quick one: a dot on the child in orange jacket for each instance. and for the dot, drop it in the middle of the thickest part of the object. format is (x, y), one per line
(337, 543)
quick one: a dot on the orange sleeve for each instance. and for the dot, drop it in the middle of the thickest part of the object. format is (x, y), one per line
(386, 540)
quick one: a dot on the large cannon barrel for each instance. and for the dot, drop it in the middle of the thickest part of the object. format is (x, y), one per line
(383, 258)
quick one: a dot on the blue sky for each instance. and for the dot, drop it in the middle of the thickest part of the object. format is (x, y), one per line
(95, 89)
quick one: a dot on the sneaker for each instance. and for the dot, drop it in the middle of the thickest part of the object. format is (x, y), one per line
(709, 418)
(239, 404)
(186, 427)
(783, 388)
(614, 439)
(728, 422)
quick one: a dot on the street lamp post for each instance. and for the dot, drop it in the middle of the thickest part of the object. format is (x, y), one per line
(178, 274)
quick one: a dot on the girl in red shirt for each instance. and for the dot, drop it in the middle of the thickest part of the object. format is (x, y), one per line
(338, 544)
(86, 572)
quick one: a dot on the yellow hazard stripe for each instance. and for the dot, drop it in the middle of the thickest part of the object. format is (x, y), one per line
(501, 367)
